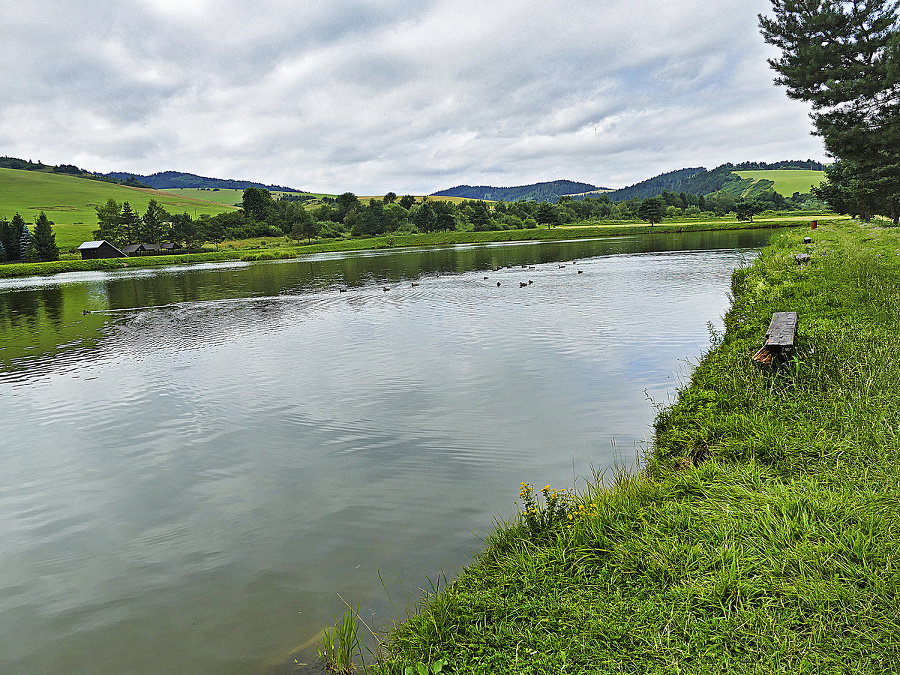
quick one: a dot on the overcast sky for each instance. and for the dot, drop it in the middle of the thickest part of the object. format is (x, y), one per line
(403, 95)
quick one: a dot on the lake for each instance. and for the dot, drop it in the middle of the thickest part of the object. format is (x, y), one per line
(195, 472)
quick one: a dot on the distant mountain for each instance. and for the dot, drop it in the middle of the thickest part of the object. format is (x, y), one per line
(539, 192)
(671, 181)
(166, 180)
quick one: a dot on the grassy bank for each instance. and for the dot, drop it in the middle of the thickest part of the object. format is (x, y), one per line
(279, 249)
(763, 534)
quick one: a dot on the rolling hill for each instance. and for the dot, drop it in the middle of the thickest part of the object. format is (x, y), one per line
(166, 180)
(539, 192)
(70, 202)
(786, 181)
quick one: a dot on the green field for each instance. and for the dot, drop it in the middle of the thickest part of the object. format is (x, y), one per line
(69, 201)
(787, 181)
(226, 196)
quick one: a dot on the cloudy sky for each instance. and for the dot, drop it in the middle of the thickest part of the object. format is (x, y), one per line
(402, 95)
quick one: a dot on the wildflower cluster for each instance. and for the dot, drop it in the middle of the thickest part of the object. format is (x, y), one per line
(540, 518)
(582, 510)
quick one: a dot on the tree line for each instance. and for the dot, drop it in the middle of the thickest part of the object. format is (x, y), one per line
(263, 215)
(19, 244)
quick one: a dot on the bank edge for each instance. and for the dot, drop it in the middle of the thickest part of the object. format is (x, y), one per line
(761, 535)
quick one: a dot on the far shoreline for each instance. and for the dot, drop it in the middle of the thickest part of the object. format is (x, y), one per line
(275, 248)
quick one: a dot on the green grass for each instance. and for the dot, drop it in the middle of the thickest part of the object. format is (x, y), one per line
(227, 197)
(69, 202)
(761, 536)
(787, 181)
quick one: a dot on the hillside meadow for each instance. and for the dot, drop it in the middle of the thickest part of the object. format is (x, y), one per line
(787, 181)
(70, 202)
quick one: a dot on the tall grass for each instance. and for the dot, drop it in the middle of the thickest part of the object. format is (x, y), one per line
(762, 535)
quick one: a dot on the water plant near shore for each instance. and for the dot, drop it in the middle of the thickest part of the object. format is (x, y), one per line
(341, 643)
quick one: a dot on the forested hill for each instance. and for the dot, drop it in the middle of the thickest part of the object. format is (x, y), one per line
(176, 179)
(698, 181)
(539, 192)
(671, 181)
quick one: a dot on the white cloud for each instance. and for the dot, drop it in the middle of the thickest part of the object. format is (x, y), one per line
(394, 95)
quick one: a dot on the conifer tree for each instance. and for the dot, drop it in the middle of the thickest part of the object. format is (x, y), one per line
(130, 224)
(4, 239)
(844, 59)
(155, 222)
(13, 238)
(26, 243)
(44, 239)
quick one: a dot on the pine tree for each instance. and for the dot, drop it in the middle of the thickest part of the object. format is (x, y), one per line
(44, 239)
(844, 59)
(131, 225)
(4, 239)
(156, 223)
(26, 244)
(13, 238)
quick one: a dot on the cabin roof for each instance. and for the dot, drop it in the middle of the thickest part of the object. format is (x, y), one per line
(93, 244)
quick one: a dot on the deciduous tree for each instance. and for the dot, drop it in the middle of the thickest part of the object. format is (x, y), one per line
(257, 202)
(109, 221)
(747, 208)
(653, 210)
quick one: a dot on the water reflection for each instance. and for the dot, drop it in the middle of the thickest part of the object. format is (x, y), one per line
(192, 471)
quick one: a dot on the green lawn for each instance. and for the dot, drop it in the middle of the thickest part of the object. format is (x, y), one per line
(787, 181)
(69, 201)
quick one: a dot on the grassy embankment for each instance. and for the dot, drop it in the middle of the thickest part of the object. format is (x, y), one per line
(763, 534)
(280, 249)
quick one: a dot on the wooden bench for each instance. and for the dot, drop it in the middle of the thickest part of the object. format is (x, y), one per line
(780, 339)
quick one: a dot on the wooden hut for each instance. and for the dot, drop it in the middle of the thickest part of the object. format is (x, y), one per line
(93, 250)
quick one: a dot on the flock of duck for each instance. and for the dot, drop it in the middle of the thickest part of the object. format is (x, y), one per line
(522, 284)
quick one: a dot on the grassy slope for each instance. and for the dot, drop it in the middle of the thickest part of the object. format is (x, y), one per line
(69, 202)
(762, 537)
(227, 197)
(787, 181)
